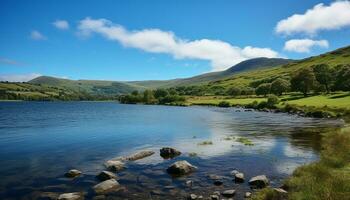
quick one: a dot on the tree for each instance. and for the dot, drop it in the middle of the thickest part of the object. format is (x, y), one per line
(135, 92)
(148, 97)
(342, 78)
(279, 86)
(158, 93)
(323, 75)
(263, 89)
(234, 91)
(303, 80)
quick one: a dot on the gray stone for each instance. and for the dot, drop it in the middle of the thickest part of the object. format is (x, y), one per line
(105, 175)
(239, 177)
(260, 181)
(228, 193)
(192, 197)
(107, 186)
(234, 172)
(189, 183)
(168, 152)
(214, 197)
(71, 196)
(181, 168)
(115, 165)
(47, 196)
(247, 195)
(73, 173)
(140, 155)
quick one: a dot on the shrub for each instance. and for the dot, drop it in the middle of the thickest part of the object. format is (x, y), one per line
(224, 104)
(272, 100)
(263, 89)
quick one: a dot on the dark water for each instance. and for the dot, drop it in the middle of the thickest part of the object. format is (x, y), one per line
(40, 141)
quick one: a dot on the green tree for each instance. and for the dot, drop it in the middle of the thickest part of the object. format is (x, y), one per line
(158, 93)
(135, 92)
(279, 86)
(148, 97)
(263, 89)
(342, 78)
(234, 91)
(303, 81)
(323, 75)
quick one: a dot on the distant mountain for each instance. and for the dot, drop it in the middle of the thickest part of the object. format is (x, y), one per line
(94, 87)
(247, 65)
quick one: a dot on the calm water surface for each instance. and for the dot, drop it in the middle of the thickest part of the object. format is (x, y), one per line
(40, 141)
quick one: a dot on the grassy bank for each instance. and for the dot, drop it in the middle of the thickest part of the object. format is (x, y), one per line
(327, 179)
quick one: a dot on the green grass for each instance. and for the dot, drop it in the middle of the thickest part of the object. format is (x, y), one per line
(245, 141)
(205, 143)
(324, 100)
(215, 100)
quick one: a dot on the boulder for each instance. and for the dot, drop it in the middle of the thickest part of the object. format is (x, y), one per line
(247, 195)
(73, 173)
(140, 155)
(168, 152)
(107, 186)
(114, 165)
(239, 178)
(105, 175)
(234, 172)
(260, 181)
(192, 197)
(71, 196)
(214, 197)
(228, 193)
(181, 168)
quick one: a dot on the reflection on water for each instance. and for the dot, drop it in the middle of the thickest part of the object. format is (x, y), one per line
(40, 141)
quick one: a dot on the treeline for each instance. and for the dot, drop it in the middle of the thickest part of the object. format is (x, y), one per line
(158, 96)
(317, 78)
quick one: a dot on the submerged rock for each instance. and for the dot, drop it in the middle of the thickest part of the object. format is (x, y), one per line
(168, 152)
(140, 155)
(71, 196)
(114, 165)
(107, 186)
(181, 168)
(73, 173)
(189, 183)
(229, 193)
(192, 197)
(234, 172)
(239, 178)
(247, 195)
(105, 175)
(47, 196)
(259, 181)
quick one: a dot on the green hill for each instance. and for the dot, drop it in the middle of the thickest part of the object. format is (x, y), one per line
(93, 87)
(253, 78)
(248, 65)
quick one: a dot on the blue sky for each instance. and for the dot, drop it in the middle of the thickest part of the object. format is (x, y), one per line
(143, 40)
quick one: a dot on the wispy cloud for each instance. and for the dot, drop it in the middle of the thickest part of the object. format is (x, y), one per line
(6, 61)
(36, 35)
(320, 17)
(222, 55)
(18, 77)
(61, 24)
(304, 45)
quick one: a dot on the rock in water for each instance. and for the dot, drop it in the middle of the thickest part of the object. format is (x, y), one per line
(107, 186)
(114, 165)
(105, 175)
(140, 155)
(181, 168)
(192, 197)
(259, 181)
(71, 196)
(168, 152)
(73, 173)
(229, 193)
(247, 195)
(239, 178)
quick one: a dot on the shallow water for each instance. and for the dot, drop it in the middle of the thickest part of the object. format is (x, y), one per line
(40, 141)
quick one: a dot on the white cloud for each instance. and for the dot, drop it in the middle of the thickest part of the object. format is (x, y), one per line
(222, 55)
(320, 17)
(304, 45)
(61, 24)
(36, 35)
(18, 77)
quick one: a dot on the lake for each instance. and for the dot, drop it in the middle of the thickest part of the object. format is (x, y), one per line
(41, 141)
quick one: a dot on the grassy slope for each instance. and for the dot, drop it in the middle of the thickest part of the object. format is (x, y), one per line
(248, 65)
(88, 86)
(339, 56)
